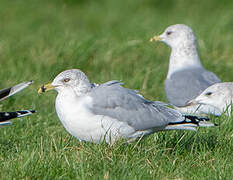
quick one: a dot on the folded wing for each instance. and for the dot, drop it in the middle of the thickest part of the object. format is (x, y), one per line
(113, 100)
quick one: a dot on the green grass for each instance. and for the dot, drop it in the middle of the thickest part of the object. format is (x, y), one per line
(108, 40)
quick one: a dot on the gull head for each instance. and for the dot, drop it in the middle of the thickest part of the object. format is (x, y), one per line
(69, 80)
(218, 95)
(176, 35)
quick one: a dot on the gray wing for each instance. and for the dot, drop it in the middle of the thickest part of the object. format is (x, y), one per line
(5, 93)
(187, 84)
(113, 100)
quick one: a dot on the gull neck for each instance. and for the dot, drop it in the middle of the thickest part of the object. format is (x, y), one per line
(183, 57)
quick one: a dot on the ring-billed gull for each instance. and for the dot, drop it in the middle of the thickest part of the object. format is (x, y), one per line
(186, 77)
(5, 117)
(109, 111)
(218, 96)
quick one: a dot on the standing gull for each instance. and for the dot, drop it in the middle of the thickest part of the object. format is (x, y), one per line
(5, 117)
(218, 96)
(109, 111)
(186, 77)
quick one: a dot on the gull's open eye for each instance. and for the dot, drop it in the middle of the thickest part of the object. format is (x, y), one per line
(169, 32)
(208, 93)
(66, 79)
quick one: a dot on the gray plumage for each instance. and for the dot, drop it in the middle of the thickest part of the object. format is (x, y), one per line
(186, 77)
(185, 85)
(111, 99)
(109, 111)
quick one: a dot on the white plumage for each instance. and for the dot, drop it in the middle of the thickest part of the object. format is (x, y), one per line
(218, 96)
(109, 111)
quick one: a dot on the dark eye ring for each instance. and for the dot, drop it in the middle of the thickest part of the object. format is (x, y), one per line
(208, 93)
(169, 32)
(66, 80)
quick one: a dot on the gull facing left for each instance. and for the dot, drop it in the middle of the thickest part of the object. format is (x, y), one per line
(218, 97)
(186, 77)
(108, 112)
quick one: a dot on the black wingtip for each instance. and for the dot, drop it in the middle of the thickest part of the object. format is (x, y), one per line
(33, 111)
(26, 111)
(4, 92)
(200, 118)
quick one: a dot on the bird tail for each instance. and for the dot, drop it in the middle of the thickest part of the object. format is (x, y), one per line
(6, 116)
(5, 93)
(190, 123)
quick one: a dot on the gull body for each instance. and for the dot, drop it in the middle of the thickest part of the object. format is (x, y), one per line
(186, 77)
(108, 112)
(85, 126)
(77, 124)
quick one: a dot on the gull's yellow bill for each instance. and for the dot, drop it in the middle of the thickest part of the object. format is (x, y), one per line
(45, 88)
(155, 38)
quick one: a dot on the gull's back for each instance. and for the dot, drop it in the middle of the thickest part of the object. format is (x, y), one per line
(113, 100)
(185, 85)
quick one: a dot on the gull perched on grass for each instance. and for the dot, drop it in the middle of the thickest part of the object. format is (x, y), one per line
(186, 77)
(109, 111)
(5, 117)
(218, 96)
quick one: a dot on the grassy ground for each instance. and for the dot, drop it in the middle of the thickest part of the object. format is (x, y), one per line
(108, 40)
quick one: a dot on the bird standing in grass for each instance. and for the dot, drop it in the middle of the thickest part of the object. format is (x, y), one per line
(186, 77)
(5, 117)
(109, 111)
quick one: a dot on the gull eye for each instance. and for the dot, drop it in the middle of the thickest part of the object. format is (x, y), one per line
(66, 79)
(169, 33)
(208, 93)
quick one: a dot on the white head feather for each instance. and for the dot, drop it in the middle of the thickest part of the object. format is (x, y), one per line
(72, 80)
(219, 95)
(184, 53)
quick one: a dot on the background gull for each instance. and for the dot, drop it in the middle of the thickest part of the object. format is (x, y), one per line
(5, 117)
(186, 77)
(218, 96)
(109, 111)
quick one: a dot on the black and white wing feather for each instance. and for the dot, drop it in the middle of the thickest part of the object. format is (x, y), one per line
(5, 93)
(5, 117)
